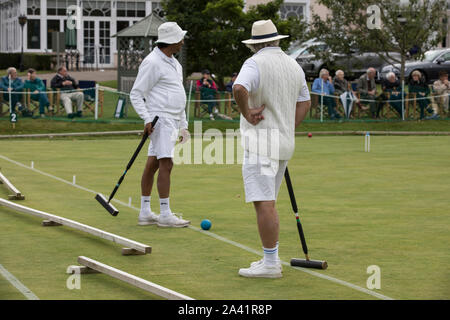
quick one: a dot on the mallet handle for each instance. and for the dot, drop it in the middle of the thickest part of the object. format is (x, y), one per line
(130, 163)
(295, 209)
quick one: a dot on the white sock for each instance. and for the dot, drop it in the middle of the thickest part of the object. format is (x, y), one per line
(164, 207)
(271, 256)
(145, 205)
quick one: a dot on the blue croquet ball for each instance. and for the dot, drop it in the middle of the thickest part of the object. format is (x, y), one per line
(206, 224)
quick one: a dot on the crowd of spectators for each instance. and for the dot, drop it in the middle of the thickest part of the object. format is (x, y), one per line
(14, 90)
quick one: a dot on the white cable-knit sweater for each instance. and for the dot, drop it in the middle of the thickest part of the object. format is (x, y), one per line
(281, 81)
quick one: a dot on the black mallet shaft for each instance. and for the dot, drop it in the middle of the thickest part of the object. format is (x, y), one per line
(304, 263)
(101, 198)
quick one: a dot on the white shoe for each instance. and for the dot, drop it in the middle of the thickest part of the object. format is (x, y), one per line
(260, 270)
(147, 219)
(211, 116)
(173, 221)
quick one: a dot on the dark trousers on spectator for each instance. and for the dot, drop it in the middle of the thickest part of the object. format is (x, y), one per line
(374, 108)
(15, 97)
(43, 101)
(330, 103)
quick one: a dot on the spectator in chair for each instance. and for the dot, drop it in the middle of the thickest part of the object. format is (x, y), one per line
(37, 90)
(16, 88)
(418, 86)
(442, 88)
(324, 86)
(367, 89)
(229, 86)
(208, 90)
(68, 86)
(394, 88)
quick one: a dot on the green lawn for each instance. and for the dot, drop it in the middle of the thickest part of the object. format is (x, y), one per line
(388, 208)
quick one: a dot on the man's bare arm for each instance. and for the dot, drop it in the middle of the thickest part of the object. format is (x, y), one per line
(254, 115)
(301, 110)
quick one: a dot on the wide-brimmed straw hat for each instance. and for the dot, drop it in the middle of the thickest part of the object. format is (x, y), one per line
(264, 31)
(170, 33)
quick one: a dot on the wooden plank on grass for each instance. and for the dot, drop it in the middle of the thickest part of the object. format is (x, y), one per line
(131, 279)
(79, 226)
(17, 195)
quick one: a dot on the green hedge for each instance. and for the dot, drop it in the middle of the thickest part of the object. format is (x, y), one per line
(36, 61)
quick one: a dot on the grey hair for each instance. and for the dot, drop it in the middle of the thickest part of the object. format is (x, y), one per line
(339, 72)
(258, 46)
(371, 70)
(390, 75)
(322, 72)
(10, 70)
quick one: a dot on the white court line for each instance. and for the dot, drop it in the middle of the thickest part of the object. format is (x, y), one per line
(211, 234)
(17, 284)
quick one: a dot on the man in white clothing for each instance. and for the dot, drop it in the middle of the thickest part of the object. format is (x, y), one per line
(273, 98)
(158, 91)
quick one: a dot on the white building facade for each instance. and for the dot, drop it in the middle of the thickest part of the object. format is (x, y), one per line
(99, 21)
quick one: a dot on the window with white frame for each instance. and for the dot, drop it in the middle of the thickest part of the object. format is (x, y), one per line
(97, 8)
(294, 10)
(34, 7)
(130, 9)
(59, 7)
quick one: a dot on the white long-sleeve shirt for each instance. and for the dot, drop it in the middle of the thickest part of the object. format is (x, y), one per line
(158, 89)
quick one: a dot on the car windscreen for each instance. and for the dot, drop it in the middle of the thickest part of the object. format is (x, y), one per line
(431, 55)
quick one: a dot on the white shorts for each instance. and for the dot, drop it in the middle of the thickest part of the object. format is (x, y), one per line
(262, 177)
(164, 138)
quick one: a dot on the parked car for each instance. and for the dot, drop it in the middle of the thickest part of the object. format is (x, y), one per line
(355, 65)
(433, 62)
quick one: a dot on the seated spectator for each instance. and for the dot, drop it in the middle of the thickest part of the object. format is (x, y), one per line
(343, 89)
(16, 87)
(367, 89)
(393, 87)
(68, 85)
(208, 91)
(324, 87)
(37, 90)
(340, 84)
(229, 86)
(418, 86)
(442, 88)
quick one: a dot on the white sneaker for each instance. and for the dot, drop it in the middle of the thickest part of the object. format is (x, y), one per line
(147, 219)
(173, 221)
(259, 270)
(211, 116)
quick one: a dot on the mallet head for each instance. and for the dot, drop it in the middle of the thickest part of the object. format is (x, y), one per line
(303, 263)
(108, 206)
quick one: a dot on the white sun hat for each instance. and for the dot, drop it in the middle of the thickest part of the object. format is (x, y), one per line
(170, 33)
(264, 31)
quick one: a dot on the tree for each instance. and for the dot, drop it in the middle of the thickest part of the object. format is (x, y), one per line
(216, 29)
(383, 27)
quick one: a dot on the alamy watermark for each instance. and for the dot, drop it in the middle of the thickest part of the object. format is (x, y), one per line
(374, 280)
(74, 280)
(74, 14)
(374, 18)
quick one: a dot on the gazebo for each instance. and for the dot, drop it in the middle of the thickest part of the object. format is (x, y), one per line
(133, 45)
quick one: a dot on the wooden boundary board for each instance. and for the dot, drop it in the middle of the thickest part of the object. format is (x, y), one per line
(141, 248)
(17, 195)
(128, 278)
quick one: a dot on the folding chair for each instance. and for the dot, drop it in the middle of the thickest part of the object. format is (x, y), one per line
(231, 108)
(200, 108)
(3, 103)
(437, 102)
(89, 94)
